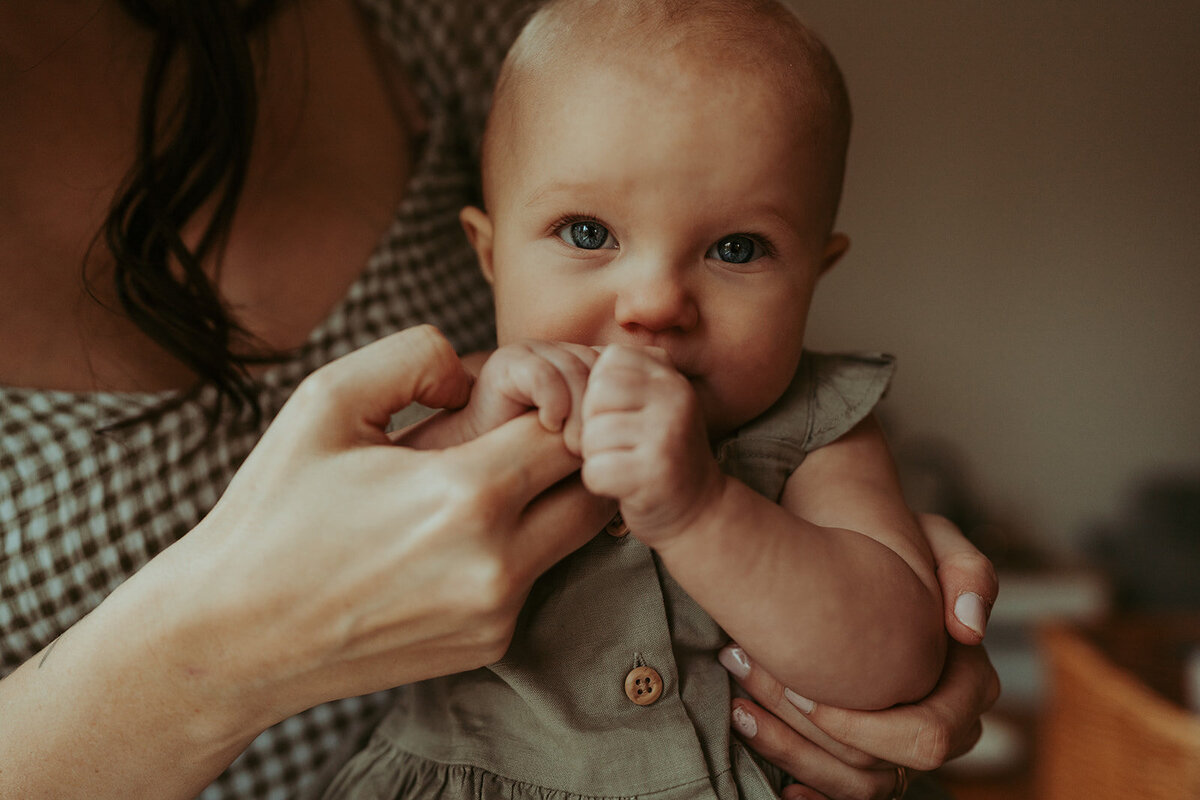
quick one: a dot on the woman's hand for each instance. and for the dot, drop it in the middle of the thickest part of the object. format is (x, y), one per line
(853, 755)
(372, 565)
(335, 564)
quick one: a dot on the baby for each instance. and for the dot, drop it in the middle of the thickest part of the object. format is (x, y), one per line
(660, 186)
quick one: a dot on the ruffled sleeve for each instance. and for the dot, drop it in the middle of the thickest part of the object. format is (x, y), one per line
(829, 395)
(842, 390)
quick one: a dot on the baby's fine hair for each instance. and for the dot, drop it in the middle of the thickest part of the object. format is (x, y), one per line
(765, 35)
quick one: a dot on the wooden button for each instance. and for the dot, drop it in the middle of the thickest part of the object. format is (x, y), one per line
(643, 685)
(616, 527)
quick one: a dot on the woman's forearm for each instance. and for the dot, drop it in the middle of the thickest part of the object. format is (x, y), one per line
(836, 615)
(107, 711)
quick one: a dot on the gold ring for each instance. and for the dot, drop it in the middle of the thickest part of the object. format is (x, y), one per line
(900, 788)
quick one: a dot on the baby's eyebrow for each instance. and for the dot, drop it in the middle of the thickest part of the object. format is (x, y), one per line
(578, 190)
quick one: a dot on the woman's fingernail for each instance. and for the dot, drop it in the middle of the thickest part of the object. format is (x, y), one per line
(802, 703)
(969, 610)
(733, 658)
(744, 722)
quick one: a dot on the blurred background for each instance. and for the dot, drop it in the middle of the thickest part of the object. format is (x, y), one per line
(1023, 201)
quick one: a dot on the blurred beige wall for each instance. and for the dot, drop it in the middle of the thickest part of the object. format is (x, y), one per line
(1023, 199)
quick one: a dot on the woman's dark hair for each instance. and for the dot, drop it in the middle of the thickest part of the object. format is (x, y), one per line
(193, 148)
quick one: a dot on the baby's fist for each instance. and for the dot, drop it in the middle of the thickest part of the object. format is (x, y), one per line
(644, 442)
(548, 377)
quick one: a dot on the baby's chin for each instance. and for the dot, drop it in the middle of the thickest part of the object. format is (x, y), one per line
(719, 420)
(724, 419)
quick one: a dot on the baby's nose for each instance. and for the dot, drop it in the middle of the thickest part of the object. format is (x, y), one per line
(656, 298)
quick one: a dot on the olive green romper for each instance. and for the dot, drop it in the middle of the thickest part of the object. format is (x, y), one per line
(611, 688)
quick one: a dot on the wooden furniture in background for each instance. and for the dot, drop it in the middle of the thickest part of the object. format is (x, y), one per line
(1105, 733)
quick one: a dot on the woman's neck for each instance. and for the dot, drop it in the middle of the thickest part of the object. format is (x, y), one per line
(330, 160)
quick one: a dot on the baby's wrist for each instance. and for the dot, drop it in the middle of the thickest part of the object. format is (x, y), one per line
(674, 531)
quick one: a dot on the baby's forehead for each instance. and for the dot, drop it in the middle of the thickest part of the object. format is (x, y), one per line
(684, 47)
(758, 36)
(712, 43)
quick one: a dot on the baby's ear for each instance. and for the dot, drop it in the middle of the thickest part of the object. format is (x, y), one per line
(478, 226)
(835, 247)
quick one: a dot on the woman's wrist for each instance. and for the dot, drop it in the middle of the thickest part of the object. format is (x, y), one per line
(110, 706)
(189, 649)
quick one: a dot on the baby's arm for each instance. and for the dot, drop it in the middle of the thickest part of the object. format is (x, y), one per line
(548, 377)
(833, 590)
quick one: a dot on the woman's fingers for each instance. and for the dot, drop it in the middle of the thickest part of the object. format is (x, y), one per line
(792, 731)
(787, 707)
(535, 489)
(822, 774)
(369, 385)
(520, 456)
(967, 578)
(798, 791)
(925, 735)
(559, 521)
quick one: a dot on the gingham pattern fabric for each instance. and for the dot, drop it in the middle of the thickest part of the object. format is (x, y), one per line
(82, 509)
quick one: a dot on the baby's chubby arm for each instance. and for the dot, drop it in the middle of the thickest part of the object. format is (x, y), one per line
(833, 590)
(548, 377)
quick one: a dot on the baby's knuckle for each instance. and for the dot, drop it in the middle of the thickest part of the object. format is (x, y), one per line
(540, 371)
(575, 370)
(600, 478)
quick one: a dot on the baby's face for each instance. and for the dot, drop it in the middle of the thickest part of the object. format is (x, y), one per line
(645, 208)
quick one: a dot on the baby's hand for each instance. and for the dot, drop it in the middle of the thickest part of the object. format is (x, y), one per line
(547, 376)
(644, 442)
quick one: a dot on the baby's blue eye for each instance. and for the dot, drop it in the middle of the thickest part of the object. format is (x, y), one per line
(736, 249)
(586, 234)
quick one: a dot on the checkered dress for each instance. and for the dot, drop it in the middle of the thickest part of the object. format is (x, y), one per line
(81, 509)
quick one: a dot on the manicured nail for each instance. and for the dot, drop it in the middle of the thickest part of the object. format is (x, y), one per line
(733, 658)
(744, 722)
(969, 610)
(802, 703)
